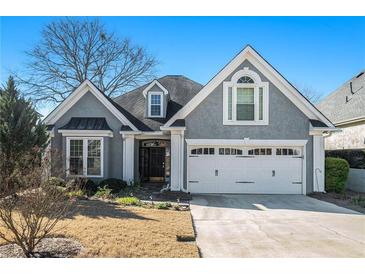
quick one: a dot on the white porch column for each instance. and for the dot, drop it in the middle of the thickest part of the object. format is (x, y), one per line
(177, 160)
(318, 163)
(128, 158)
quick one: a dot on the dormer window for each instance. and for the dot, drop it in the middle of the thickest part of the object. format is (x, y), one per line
(245, 99)
(155, 104)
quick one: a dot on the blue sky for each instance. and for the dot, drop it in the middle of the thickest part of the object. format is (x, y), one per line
(315, 52)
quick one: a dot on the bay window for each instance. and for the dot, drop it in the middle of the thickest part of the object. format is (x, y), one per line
(245, 99)
(84, 156)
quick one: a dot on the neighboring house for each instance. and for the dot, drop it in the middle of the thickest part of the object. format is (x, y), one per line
(248, 130)
(345, 107)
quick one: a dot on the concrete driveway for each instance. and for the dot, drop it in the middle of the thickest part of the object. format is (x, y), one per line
(276, 226)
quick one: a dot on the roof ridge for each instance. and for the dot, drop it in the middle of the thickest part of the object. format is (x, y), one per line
(137, 89)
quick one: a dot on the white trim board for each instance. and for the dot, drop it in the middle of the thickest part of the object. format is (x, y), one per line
(248, 53)
(153, 83)
(85, 87)
(245, 142)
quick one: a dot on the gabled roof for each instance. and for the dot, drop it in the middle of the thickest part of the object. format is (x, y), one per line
(248, 53)
(180, 89)
(88, 86)
(86, 123)
(151, 85)
(347, 103)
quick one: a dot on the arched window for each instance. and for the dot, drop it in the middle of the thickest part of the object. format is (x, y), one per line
(245, 99)
(245, 80)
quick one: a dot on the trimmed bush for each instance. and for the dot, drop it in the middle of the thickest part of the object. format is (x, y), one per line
(163, 205)
(116, 185)
(90, 187)
(355, 157)
(76, 194)
(56, 181)
(128, 201)
(103, 193)
(337, 170)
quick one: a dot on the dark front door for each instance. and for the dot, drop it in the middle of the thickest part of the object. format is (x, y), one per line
(157, 163)
(152, 164)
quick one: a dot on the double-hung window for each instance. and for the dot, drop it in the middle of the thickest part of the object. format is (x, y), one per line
(155, 104)
(245, 100)
(84, 156)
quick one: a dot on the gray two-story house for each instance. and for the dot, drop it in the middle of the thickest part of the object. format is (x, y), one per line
(248, 130)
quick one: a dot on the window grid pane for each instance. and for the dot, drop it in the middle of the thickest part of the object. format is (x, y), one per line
(94, 157)
(245, 79)
(155, 99)
(76, 157)
(245, 109)
(155, 104)
(155, 110)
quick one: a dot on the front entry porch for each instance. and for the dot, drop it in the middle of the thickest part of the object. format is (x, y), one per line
(154, 161)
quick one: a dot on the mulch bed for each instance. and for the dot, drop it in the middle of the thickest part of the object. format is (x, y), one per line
(341, 199)
(152, 192)
(47, 248)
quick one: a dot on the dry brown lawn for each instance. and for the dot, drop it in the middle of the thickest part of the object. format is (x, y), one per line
(108, 230)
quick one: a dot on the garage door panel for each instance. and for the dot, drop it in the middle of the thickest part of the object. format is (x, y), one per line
(245, 174)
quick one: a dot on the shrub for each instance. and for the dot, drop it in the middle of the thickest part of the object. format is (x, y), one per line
(360, 201)
(103, 193)
(163, 205)
(355, 158)
(56, 181)
(74, 184)
(75, 194)
(89, 187)
(116, 185)
(336, 174)
(129, 201)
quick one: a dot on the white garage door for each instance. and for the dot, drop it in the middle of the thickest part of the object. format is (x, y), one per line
(268, 170)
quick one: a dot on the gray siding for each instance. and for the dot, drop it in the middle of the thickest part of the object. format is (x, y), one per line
(286, 121)
(90, 106)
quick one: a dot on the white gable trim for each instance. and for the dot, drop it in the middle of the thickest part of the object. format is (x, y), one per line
(248, 53)
(85, 87)
(153, 83)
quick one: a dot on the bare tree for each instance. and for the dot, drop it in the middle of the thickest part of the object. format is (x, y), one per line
(310, 93)
(30, 212)
(72, 50)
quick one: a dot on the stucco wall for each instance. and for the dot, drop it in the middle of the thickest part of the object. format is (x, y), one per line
(351, 137)
(90, 106)
(286, 121)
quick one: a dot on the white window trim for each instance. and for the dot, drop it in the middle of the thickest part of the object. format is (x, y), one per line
(84, 156)
(150, 93)
(257, 85)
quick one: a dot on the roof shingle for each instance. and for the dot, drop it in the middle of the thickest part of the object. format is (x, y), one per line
(347, 102)
(181, 91)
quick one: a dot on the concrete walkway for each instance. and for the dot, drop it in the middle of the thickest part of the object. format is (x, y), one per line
(276, 226)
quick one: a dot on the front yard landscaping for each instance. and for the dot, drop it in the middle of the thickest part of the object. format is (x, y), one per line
(111, 230)
(348, 199)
